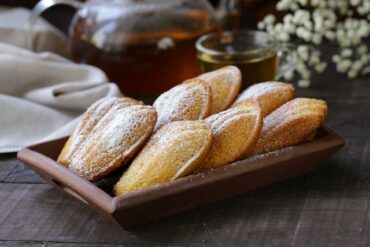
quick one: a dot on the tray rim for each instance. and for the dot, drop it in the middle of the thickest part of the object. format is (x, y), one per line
(331, 139)
(33, 158)
(108, 204)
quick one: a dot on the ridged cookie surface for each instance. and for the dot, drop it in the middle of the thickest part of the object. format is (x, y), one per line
(270, 95)
(110, 138)
(292, 123)
(173, 151)
(190, 100)
(89, 120)
(235, 132)
(225, 84)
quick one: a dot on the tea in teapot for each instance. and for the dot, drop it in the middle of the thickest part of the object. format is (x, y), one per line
(145, 46)
(147, 62)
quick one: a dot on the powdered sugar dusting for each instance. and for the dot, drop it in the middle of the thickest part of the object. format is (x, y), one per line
(254, 91)
(225, 84)
(257, 157)
(113, 139)
(292, 123)
(171, 152)
(234, 132)
(91, 118)
(270, 95)
(188, 101)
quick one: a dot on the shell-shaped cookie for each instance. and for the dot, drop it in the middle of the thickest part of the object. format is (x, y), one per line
(190, 100)
(270, 95)
(235, 132)
(110, 142)
(89, 121)
(173, 151)
(292, 123)
(225, 84)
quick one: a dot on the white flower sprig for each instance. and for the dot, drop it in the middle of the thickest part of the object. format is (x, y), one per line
(313, 22)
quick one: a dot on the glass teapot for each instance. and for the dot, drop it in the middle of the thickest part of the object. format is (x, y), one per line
(145, 46)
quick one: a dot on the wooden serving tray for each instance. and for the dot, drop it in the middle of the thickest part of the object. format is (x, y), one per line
(183, 193)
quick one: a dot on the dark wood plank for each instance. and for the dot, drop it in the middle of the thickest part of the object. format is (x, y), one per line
(333, 200)
(51, 244)
(350, 118)
(7, 163)
(14, 171)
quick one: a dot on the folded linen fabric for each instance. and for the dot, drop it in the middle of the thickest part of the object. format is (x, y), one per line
(42, 95)
(13, 30)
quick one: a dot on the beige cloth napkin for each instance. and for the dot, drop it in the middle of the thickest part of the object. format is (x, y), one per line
(13, 30)
(41, 95)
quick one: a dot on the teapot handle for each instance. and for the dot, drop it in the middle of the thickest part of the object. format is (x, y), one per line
(41, 7)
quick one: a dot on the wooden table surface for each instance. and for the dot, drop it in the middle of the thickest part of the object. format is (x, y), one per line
(329, 207)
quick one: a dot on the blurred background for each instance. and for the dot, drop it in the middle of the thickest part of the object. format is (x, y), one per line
(252, 11)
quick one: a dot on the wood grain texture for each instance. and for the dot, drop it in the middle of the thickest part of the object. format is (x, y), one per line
(14, 171)
(333, 200)
(51, 244)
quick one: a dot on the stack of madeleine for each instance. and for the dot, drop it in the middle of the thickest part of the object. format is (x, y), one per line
(194, 127)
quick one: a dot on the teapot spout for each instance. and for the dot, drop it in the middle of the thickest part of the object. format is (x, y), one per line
(229, 12)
